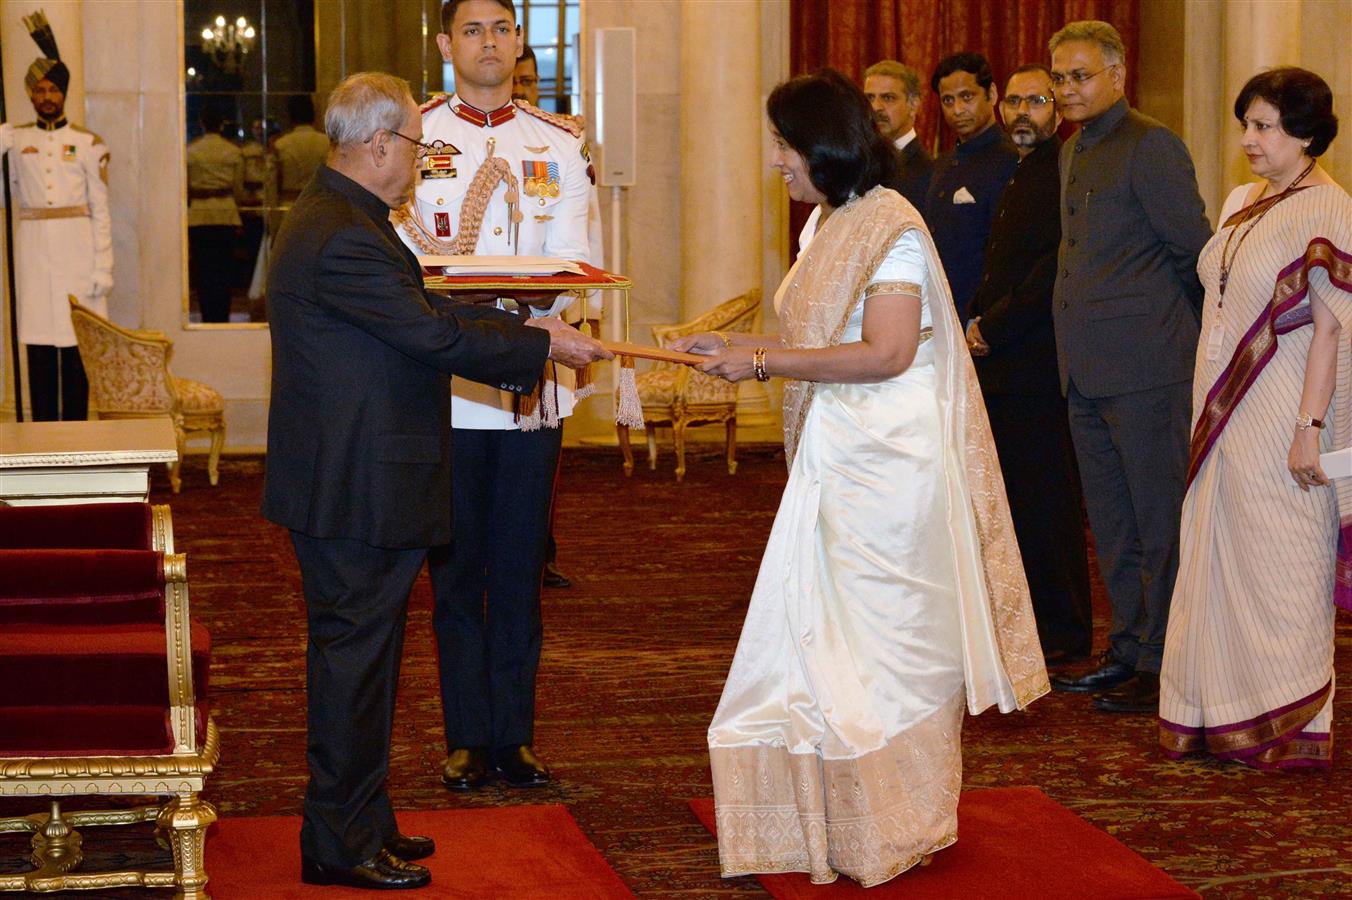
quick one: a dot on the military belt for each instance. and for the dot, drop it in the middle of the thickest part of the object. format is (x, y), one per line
(54, 212)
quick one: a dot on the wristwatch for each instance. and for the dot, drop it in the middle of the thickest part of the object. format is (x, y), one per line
(1305, 420)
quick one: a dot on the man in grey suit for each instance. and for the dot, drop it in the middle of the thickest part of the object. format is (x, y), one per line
(1126, 307)
(359, 457)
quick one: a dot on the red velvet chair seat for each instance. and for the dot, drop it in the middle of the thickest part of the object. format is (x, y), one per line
(81, 586)
(94, 526)
(80, 665)
(90, 730)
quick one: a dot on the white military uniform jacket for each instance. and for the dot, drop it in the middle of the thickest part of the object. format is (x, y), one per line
(554, 220)
(63, 241)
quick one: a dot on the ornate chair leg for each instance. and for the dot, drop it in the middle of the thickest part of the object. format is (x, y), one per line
(652, 447)
(214, 460)
(176, 467)
(186, 819)
(732, 446)
(678, 434)
(622, 432)
(56, 846)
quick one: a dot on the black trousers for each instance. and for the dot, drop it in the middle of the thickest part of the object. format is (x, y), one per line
(356, 602)
(486, 584)
(211, 256)
(1032, 438)
(1133, 456)
(57, 387)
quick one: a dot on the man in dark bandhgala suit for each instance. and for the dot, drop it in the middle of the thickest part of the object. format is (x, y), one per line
(1127, 308)
(358, 461)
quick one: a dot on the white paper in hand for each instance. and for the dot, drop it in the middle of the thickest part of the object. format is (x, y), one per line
(1337, 463)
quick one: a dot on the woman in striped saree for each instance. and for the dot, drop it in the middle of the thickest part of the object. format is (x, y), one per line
(1248, 659)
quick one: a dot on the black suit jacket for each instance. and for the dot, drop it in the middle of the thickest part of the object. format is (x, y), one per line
(1014, 299)
(360, 415)
(916, 166)
(977, 171)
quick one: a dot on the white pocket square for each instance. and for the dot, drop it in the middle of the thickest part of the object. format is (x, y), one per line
(962, 195)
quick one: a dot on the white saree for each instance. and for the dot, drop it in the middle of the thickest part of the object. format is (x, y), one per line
(891, 589)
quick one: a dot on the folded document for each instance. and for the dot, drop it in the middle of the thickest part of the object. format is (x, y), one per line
(500, 265)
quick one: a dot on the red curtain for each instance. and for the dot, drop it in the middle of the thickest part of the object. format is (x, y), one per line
(851, 35)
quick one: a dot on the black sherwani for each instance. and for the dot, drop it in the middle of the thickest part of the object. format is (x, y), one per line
(359, 470)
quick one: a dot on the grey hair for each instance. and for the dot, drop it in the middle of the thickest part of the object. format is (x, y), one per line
(1095, 32)
(890, 68)
(364, 104)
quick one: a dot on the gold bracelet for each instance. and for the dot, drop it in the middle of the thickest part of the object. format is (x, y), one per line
(758, 364)
(727, 341)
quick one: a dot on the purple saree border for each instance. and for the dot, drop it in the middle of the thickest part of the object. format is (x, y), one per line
(1244, 754)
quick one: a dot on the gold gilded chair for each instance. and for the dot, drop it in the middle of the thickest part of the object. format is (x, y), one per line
(129, 378)
(103, 682)
(679, 396)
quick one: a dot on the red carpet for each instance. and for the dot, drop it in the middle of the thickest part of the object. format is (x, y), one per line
(1013, 843)
(517, 852)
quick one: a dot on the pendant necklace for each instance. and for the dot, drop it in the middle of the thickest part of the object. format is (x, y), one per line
(1228, 258)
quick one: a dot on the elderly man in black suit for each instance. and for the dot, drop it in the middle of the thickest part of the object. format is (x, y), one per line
(359, 456)
(1013, 345)
(893, 90)
(1127, 307)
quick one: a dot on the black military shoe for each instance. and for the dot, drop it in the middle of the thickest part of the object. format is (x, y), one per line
(553, 578)
(520, 767)
(465, 769)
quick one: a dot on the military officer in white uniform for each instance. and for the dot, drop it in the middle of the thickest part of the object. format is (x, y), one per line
(63, 244)
(487, 582)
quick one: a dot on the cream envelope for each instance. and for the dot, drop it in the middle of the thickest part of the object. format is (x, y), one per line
(962, 195)
(1337, 463)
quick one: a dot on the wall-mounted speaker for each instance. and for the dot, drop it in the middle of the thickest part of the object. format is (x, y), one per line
(616, 106)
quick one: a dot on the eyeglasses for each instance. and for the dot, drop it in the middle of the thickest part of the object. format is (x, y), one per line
(1034, 101)
(420, 150)
(1078, 76)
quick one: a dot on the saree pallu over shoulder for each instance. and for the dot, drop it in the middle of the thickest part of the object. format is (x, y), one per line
(1288, 310)
(1003, 657)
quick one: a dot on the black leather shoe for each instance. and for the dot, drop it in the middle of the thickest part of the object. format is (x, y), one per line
(465, 769)
(409, 847)
(553, 578)
(381, 872)
(1108, 673)
(520, 767)
(1140, 694)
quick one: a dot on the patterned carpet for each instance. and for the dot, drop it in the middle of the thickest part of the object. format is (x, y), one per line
(635, 656)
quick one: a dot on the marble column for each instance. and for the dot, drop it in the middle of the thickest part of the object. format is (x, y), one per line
(720, 143)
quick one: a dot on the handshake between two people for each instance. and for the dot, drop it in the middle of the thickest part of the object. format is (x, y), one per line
(568, 345)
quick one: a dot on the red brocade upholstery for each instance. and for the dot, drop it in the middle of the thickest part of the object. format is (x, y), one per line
(103, 679)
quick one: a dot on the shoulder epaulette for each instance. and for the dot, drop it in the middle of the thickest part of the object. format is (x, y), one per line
(432, 103)
(27, 124)
(83, 130)
(565, 122)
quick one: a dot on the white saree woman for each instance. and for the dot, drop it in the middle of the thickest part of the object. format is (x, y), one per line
(891, 593)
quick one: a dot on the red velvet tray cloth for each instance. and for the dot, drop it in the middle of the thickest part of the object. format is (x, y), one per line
(592, 279)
